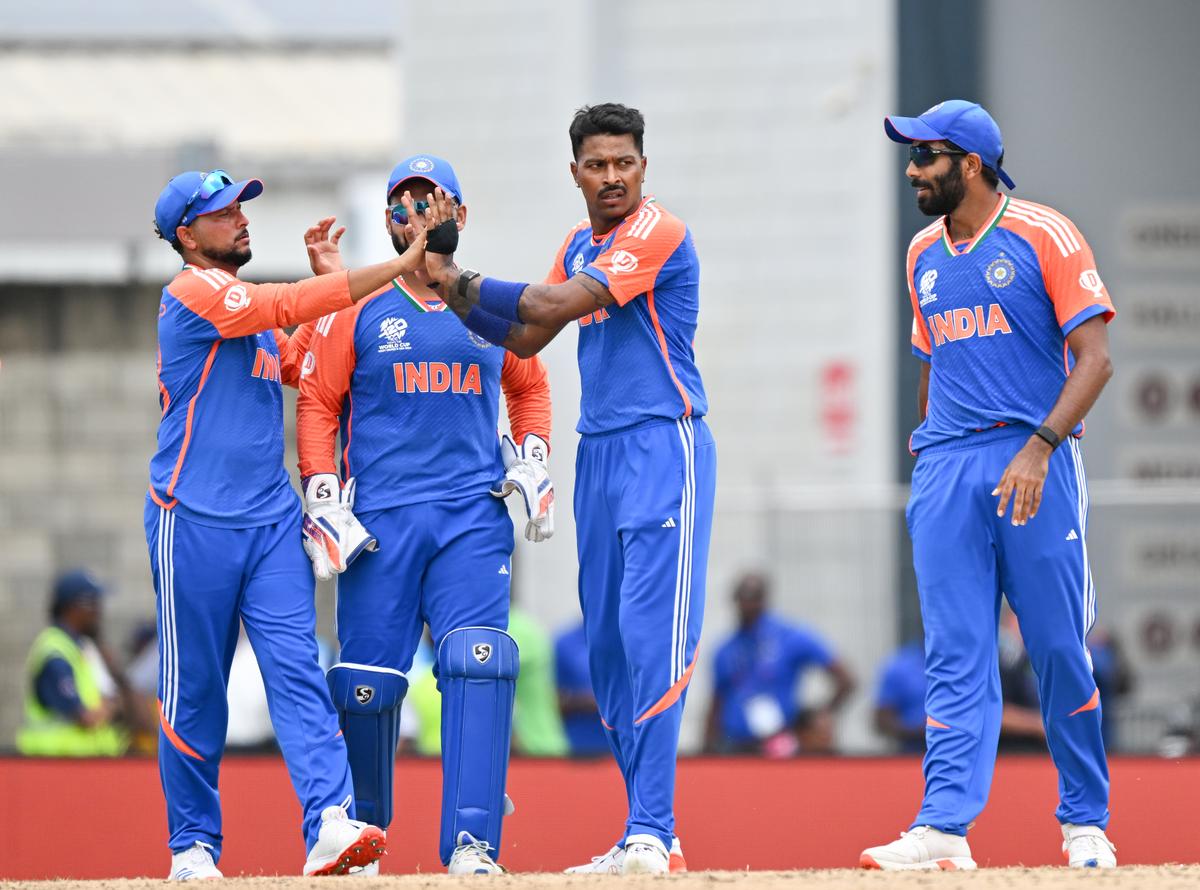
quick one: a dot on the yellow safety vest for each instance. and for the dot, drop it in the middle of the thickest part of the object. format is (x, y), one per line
(47, 733)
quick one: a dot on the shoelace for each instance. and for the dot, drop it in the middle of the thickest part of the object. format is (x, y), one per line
(475, 847)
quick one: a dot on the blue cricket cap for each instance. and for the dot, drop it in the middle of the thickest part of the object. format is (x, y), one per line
(75, 585)
(964, 123)
(436, 170)
(194, 194)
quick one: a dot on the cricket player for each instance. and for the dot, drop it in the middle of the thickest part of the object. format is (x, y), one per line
(646, 466)
(415, 398)
(223, 526)
(1009, 317)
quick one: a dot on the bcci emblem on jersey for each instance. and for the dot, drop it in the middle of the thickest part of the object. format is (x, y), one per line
(392, 331)
(1001, 272)
(477, 340)
(928, 280)
(482, 652)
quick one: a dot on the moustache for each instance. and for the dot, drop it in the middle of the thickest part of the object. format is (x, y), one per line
(610, 189)
(920, 184)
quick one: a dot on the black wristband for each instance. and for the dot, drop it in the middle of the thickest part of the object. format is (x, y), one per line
(1048, 436)
(464, 279)
(443, 238)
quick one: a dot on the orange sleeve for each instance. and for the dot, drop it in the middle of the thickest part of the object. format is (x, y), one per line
(237, 308)
(630, 265)
(324, 386)
(526, 385)
(920, 331)
(1069, 271)
(292, 351)
(557, 274)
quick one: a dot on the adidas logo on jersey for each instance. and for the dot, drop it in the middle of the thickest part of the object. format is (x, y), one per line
(503, 569)
(1071, 536)
(670, 523)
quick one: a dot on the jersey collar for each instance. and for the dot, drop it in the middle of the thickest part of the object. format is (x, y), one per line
(600, 239)
(400, 286)
(987, 227)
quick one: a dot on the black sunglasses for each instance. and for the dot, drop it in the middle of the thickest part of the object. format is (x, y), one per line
(922, 155)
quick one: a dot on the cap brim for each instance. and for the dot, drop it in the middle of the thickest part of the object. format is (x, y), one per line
(906, 130)
(239, 191)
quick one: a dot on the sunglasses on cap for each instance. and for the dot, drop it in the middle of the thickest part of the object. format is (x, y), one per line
(922, 155)
(211, 184)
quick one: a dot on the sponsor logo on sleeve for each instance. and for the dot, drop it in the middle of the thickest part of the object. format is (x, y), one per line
(622, 262)
(236, 298)
(310, 362)
(1089, 280)
(577, 264)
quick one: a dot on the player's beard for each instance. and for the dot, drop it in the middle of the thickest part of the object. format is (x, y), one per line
(235, 256)
(946, 192)
(399, 245)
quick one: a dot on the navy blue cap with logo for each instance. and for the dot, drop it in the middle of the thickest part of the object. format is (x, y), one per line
(194, 194)
(76, 584)
(436, 170)
(964, 123)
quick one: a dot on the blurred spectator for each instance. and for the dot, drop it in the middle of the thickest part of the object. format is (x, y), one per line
(756, 703)
(76, 696)
(1021, 718)
(1114, 679)
(537, 726)
(576, 700)
(143, 682)
(900, 702)
(249, 730)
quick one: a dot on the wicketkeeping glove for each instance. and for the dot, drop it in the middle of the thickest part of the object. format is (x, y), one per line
(525, 471)
(333, 536)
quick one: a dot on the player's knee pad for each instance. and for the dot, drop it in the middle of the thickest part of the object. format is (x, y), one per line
(368, 700)
(477, 673)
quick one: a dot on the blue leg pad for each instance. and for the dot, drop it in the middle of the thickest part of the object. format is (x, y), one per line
(477, 673)
(367, 700)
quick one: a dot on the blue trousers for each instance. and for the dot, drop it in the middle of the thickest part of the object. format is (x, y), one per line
(643, 516)
(965, 558)
(205, 580)
(445, 563)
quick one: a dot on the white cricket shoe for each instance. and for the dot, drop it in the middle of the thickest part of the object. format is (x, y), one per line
(472, 857)
(193, 864)
(921, 848)
(645, 855)
(370, 870)
(1086, 846)
(344, 843)
(610, 863)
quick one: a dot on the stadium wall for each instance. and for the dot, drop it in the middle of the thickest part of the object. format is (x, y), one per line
(733, 814)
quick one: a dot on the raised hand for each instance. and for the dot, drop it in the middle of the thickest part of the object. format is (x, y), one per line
(323, 252)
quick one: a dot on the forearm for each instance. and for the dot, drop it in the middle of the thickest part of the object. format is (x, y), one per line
(1084, 385)
(368, 279)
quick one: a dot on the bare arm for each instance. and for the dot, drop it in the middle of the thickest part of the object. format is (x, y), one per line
(1024, 477)
(923, 392)
(844, 683)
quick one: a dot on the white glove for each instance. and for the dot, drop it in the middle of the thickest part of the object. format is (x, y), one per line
(333, 536)
(525, 471)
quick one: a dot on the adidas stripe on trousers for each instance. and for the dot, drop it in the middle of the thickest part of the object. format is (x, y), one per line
(965, 558)
(643, 515)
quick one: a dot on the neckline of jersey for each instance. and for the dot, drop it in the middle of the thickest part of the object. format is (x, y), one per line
(983, 232)
(420, 304)
(600, 239)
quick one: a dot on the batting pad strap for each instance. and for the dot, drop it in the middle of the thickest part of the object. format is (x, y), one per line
(366, 689)
(477, 672)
